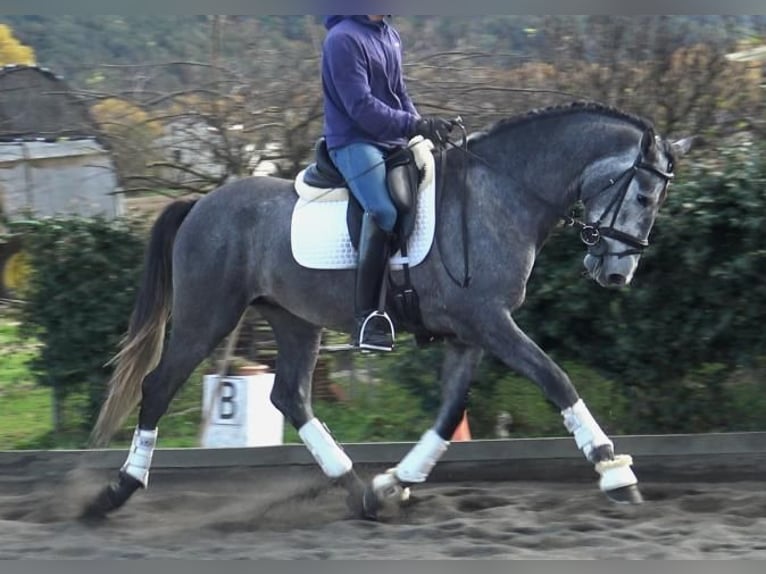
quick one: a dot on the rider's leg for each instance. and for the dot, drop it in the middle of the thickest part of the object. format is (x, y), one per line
(374, 331)
(364, 169)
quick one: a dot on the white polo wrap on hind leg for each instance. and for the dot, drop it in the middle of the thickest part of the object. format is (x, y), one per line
(417, 465)
(587, 434)
(140, 456)
(330, 457)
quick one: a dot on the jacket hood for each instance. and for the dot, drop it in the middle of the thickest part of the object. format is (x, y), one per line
(330, 21)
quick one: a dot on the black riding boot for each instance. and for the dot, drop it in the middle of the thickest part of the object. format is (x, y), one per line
(374, 330)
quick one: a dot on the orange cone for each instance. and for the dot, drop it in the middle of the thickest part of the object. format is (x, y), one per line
(463, 431)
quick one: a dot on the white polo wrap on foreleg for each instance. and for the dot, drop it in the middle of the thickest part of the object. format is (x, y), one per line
(587, 434)
(328, 454)
(417, 465)
(140, 456)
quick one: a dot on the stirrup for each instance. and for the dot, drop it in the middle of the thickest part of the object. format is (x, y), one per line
(381, 339)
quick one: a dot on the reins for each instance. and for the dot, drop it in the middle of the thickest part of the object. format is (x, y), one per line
(465, 237)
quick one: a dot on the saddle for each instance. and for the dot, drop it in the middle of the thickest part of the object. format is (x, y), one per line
(410, 176)
(403, 177)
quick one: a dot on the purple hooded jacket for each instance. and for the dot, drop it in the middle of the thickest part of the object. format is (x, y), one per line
(365, 99)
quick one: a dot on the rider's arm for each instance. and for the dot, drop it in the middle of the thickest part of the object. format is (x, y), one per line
(348, 71)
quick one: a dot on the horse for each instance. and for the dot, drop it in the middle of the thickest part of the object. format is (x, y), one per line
(502, 191)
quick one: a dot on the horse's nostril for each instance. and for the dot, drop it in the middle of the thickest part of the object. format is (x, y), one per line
(616, 279)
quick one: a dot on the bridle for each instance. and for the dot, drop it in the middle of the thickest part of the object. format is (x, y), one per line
(591, 233)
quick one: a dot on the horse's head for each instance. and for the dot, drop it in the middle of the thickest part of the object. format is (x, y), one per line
(621, 204)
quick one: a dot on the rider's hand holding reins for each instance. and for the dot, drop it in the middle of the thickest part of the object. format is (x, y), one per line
(433, 128)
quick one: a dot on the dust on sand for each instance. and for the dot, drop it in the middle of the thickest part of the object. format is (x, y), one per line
(235, 513)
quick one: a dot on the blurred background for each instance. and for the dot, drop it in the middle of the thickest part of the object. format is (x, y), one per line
(105, 119)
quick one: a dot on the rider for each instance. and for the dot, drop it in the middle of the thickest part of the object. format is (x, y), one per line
(367, 113)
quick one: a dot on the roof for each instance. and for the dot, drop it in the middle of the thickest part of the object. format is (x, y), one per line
(36, 104)
(26, 150)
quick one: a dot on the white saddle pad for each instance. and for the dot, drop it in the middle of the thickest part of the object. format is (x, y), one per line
(319, 235)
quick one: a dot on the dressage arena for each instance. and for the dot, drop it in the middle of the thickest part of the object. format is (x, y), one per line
(527, 498)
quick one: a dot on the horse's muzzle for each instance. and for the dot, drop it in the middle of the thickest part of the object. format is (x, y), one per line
(610, 272)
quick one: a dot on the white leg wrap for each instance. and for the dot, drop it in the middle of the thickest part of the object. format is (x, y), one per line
(330, 457)
(140, 455)
(616, 473)
(417, 465)
(587, 434)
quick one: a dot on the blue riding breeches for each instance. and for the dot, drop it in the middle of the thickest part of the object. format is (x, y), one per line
(363, 166)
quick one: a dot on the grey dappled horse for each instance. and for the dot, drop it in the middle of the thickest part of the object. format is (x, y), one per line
(208, 260)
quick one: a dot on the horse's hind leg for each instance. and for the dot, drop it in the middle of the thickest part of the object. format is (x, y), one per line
(196, 331)
(298, 348)
(391, 487)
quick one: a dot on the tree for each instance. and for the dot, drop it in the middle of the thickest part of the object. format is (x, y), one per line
(12, 51)
(129, 131)
(258, 111)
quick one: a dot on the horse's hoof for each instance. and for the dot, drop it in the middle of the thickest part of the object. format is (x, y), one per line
(357, 500)
(385, 491)
(363, 504)
(371, 504)
(625, 495)
(97, 509)
(110, 498)
(362, 507)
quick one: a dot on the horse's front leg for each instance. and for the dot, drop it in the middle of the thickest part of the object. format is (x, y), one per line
(502, 337)
(392, 487)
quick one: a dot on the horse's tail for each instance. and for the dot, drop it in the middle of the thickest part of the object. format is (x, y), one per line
(141, 348)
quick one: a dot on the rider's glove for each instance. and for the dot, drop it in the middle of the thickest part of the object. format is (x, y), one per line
(433, 128)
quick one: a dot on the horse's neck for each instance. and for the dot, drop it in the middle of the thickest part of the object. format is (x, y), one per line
(550, 169)
(517, 191)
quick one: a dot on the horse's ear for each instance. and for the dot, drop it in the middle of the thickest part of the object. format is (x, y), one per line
(647, 140)
(681, 147)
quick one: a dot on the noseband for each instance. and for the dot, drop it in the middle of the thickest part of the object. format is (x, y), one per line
(591, 233)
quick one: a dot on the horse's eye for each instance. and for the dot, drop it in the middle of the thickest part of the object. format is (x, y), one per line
(643, 200)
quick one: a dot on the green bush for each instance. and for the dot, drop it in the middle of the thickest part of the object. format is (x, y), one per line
(744, 392)
(78, 303)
